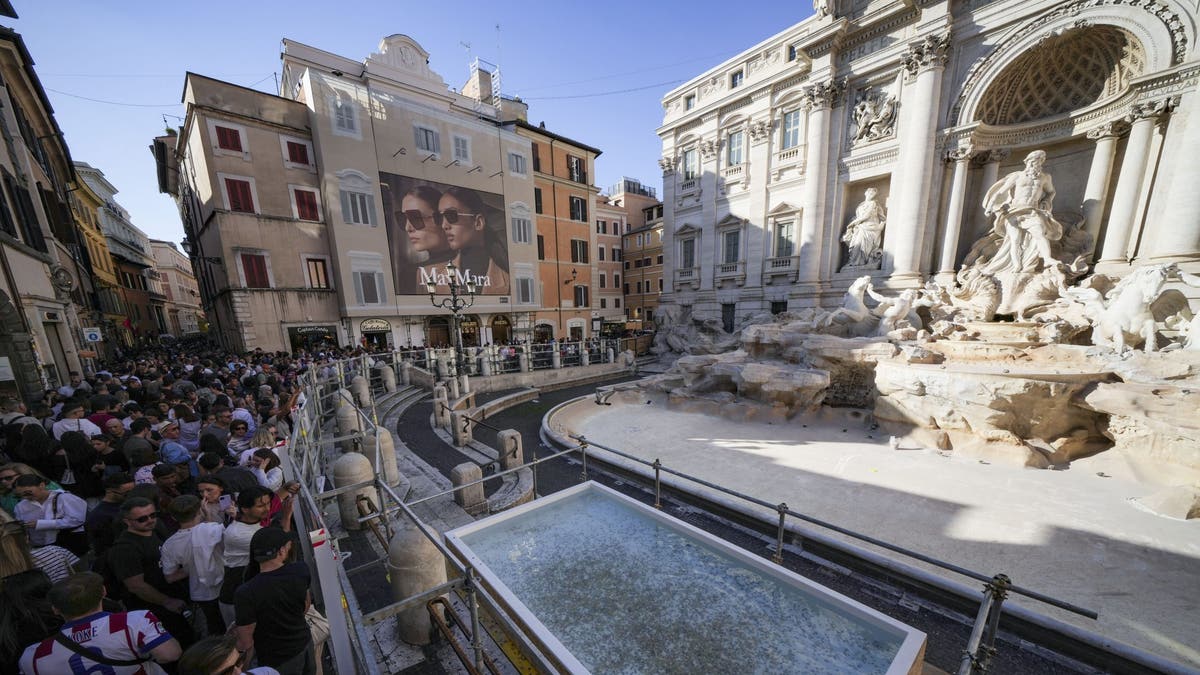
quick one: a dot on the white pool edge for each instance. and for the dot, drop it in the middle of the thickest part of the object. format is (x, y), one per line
(908, 658)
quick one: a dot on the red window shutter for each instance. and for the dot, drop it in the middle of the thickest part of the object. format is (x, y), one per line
(306, 205)
(229, 139)
(255, 267)
(297, 153)
(240, 198)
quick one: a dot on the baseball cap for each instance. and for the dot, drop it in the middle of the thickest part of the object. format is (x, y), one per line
(266, 543)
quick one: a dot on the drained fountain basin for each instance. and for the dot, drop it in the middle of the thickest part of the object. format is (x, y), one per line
(605, 584)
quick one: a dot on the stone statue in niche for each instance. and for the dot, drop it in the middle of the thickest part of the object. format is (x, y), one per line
(822, 7)
(1021, 205)
(864, 234)
(874, 117)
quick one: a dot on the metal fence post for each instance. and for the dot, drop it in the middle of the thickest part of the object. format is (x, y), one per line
(657, 484)
(583, 446)
(981, 646)
(778, 557)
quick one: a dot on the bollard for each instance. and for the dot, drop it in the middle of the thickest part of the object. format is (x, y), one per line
(453, 390)
(512, 455)
(464, 384)
(486, 371)
(387, 460)
(414, 566)
(348, 422)
(361, 389)
(342, 398)
(388, 377)
(461, 427)
(349, 469)
(471, 498)
(609, 355)
(442, 370)
(555, 359)
(406, 373)
(523, 362)
(441, 401)
(585, 358)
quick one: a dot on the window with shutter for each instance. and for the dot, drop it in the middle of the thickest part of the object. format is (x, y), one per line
(537, 200)
(240, 196)
(368, 286)
(358, 208)
(254, 267)
(344, 116)
(306, 205)
(229, 139)
(297, 153)
(522, 230)
(541, 245)
(516, 164)
(427, 139)
(524, 290)
(462, 149)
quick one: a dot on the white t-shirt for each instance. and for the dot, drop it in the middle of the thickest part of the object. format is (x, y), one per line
(201, 551)
(123, 636)
(82, 425)
(237, 543)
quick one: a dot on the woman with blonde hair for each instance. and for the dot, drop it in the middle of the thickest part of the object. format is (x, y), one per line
(264, 437)
(16, 556)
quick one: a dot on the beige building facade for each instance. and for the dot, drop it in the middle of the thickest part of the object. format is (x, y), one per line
(183, 313)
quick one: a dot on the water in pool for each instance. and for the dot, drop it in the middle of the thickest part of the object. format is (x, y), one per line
(627, 594)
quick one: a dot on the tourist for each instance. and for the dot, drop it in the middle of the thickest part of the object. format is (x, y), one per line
(270, 606)
(109, 459)
(266, 467)
(241, 412)
(72, 419)
(139, 438)
(135, 561)
(97, 641)
(217, 654)
(143, 462)
(239, 437)
(52, 516)
(235, 478)
(172, 451)
(215, 505)
(189, 425)
(8, 476)
(196, 552)
(26, 616)
(222, 418)
(82, 474)
(17, 556)
(36, 450)
(133, 412)
(101, 524)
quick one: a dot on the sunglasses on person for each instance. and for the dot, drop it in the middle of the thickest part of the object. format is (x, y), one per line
(450, 216)
(146, 518)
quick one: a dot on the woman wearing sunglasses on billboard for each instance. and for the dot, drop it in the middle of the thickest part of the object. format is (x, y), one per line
(426, 238)
(478, 249)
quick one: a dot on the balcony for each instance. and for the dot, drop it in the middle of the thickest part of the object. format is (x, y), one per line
(785, 267)
(733, 171)
(688, 276)
(687, 185)
(735, 271)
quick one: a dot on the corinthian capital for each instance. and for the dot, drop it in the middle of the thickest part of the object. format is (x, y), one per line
(1152, 109)
(1110, 129)
(961, 153)
(929, 52)
(667, 164)
(824, 94)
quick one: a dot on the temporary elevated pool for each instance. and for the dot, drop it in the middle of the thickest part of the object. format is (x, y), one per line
(606, 584)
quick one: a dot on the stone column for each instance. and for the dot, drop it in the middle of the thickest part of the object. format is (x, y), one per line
(1122, 216)
(954, 212)
(908, 222)
(820, 99)
(1178, 233)
(1095, 195)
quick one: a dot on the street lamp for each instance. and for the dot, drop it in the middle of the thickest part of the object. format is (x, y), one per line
(462, 296)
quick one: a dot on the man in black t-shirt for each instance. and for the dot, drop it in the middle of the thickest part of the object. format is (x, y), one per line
(270, 606)
(134, 563)
(101, 523)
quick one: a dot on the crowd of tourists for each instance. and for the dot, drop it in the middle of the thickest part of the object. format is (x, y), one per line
(146, 524)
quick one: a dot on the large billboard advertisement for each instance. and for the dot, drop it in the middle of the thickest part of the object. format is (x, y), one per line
(431, 225)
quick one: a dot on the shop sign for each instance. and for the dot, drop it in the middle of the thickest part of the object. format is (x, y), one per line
(374, 325)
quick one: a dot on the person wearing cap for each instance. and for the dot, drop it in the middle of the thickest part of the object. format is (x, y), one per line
(171, 450)
(72, 419)
(270, 606)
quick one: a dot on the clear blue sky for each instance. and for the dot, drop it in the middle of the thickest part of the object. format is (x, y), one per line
(556, 55)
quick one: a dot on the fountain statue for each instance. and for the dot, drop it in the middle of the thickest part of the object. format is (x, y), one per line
(864, 234)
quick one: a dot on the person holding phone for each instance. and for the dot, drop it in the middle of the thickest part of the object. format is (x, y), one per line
(215, 505)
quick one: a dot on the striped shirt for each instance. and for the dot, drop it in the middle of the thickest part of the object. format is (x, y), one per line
(55, 561)
(122, 636)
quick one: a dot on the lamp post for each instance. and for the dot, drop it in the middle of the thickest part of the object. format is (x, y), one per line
(462, 296)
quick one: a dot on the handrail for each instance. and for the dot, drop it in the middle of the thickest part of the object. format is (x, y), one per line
(783, 510)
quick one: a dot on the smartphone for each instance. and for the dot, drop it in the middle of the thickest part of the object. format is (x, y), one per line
(225, 501)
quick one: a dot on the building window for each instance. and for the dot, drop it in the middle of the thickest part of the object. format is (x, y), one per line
(645, 262)
(581, 295)
(600, 252)
(229, 139)
(297, 153)
(254, 270)
(778, 306)
(579, 209)
(617, 303)
(733, 156)
(462, 149)
(660, 285)
(305, 204)
(784, 244)
(516, 164)
(728, 315)
(239, 194)
(730, 246)
(639, 287)
(357, 208)
(736, 79)
(691, 166)
(537, 159)
(791, 52)
(576, 169)
(603, 280)
(427, 139)
(541, 245)
(603, 303)
(791, 129)
(524, 290)
(689, 101)
(616, 281)
(522, 230)
(537, 200)
(318, 272)
(345, 116)
(639, 241)
(659, 259)
(601, 227)
(687, 253)
(626, 289)
(579, 250)
(616, 254)
(368, 288)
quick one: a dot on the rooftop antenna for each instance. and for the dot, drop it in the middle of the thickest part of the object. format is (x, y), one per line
(496, 75)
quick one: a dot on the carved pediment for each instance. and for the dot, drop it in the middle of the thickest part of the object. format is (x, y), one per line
(402, 53)
(730, 220)
(783, 209)
(686, 228)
